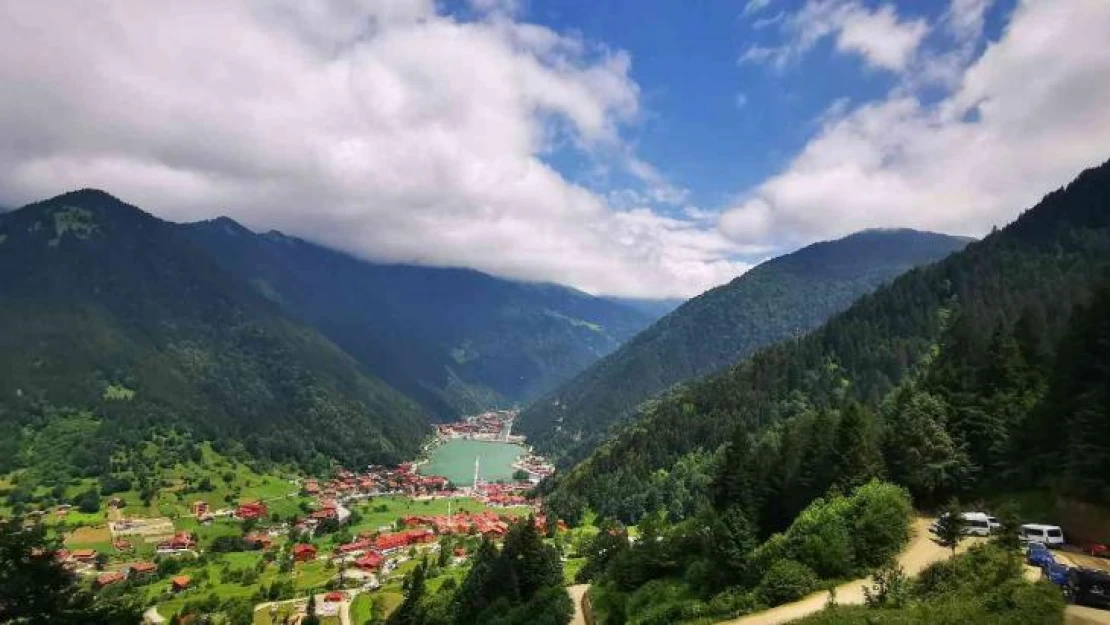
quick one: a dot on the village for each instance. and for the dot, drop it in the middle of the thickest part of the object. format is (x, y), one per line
(347, 539)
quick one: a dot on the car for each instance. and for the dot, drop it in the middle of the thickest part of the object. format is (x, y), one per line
(1056, 573)
(1038, 555)
(1088, 587)
(1097, 550)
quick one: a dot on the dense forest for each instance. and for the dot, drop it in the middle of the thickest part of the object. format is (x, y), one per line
(984, 375)
(518, 583)
(455, 340)
(115, 328)
(779, 299)
(984, 372)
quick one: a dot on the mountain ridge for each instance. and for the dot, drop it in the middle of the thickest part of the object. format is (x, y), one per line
(107, 296)
(455, 339)
(782, 297)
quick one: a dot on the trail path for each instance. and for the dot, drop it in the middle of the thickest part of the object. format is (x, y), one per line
(577, 593)
(918, 554)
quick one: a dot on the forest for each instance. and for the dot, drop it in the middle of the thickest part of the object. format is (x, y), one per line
(940, 380)
(779, 299)
(984, 375)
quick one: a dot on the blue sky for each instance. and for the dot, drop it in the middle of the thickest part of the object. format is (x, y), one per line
(714, 124)
(631, 148)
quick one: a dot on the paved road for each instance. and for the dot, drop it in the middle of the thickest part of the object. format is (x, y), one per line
(577, 593)
(918, 554)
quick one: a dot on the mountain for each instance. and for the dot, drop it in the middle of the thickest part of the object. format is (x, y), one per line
(654, 308)
(783, 297)
(984, 373)
(115, 324)
(455, 340)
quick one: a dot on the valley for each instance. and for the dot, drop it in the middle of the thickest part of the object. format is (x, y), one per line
(239, 459)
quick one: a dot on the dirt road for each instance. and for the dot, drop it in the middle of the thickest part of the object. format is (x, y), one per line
(919, 553)
(1082, 615)
(577, 593)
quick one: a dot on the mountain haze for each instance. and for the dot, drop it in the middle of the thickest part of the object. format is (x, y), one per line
(783, 297)
(455, 340)
(111, 313)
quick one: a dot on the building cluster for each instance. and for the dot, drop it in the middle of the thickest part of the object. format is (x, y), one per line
(502, 495)
(494, 425)
(401, 480)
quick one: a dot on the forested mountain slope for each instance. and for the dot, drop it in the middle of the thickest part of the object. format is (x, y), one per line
(455, 340)
(781, 298)
(113, 325)
(985, 372)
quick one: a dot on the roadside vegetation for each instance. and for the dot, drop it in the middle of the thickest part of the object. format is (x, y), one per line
(983, 585)
(714, 566)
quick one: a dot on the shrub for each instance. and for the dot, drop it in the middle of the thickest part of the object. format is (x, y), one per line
(880, 515)
(733, 602)
(786, 581)
(821, 539)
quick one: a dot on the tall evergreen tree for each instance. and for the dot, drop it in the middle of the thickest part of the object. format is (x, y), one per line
(856, 458)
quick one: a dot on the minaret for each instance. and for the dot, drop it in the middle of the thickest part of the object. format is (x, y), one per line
(476, 459)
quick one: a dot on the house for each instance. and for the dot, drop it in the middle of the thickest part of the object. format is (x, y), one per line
(200, 508)
(84, 555)
(181, 541)
(258, 540)
(251, 510)
(122, 545)
(311, 488)
(356, 546)
(370, 562)
(304, 552)
(107, 579)
(335, 596)
(180, 582)
(141, 569)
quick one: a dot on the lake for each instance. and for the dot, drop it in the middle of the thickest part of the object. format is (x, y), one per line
(454, 460)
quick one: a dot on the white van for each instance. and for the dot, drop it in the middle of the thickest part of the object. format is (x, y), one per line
(979, 524)
(1050, 535)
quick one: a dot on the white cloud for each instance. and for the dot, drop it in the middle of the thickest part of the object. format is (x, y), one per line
(755, 6)
(380, 127)
(741, 100)
(880, 37)
(1013, 130)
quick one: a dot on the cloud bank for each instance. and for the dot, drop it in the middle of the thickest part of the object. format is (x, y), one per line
(1022, 118)
(383, 128)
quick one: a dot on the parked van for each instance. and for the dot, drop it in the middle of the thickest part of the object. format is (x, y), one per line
(979, 524)
(974, 524)
(1050, 535)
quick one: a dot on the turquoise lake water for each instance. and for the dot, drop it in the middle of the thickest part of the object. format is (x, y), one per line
(455, 460)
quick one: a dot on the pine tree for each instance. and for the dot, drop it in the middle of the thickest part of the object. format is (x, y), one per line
(856, 458)
(950, 526)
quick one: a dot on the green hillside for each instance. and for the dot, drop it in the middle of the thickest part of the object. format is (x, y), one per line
(113, 326)
(781, 298)
(455, 340)
(974, 375)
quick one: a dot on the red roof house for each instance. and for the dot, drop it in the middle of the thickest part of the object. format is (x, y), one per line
(107, 579)
(84, 555)
(251, 510)
(370, 562)
(142, 568)
(179, 583)
(304, 552)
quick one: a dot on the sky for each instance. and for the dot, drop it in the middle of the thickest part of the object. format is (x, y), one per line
(622, 147)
